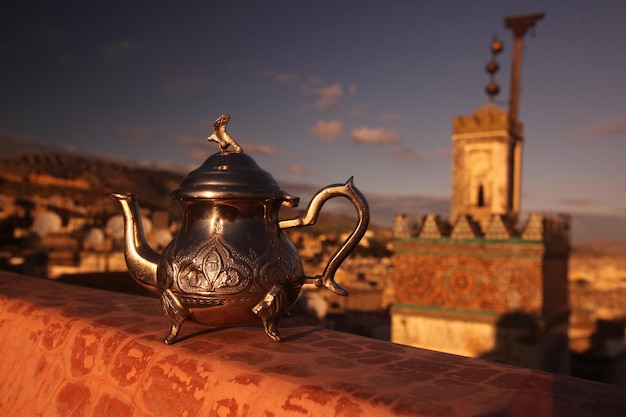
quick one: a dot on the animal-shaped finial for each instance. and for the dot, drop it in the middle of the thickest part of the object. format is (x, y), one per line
(221, 136)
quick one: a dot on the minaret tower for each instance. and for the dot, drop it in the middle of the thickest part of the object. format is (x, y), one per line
(487, 146)
(480, 285)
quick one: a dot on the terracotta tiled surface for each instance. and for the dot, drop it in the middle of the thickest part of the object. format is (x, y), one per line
(72, 351)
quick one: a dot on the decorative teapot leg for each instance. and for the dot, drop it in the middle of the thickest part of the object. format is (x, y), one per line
(270, 309)
(175, 312)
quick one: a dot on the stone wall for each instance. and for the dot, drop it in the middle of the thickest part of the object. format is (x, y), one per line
(72, 351)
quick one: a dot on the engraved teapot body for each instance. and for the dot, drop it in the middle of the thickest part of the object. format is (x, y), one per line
(230, 263)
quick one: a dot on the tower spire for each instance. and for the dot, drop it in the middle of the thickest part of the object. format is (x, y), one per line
(492, 89)
(519, 25)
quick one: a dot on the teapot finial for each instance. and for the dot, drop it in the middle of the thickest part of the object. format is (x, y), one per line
(222, 137)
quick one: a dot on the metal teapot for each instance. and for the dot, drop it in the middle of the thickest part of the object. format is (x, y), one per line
(230, 263)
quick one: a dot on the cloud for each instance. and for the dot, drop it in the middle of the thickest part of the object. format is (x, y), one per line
(327, 131)
(358, 111)
(611, 127)
(258, 149)
(146, 163)
(327, 97)
(198, 148)
(367, 135)
(324, 96)
(299, 170)
(388, 117)
(198, 154)
(410, 154)
(185, 140)
(139, 133)
(285, 77)
(201, 145)
(113, 51)
(579, 202)
(178, 81)
(403, 154)
(294, 154)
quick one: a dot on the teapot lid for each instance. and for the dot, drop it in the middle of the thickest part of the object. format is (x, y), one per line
(229, 174)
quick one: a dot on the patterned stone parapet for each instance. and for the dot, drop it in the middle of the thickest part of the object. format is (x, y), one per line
(539, 226)
(466, 228)
(434, 227)
(548, 228)
(407, 225)
(72, 351)
(499, 228)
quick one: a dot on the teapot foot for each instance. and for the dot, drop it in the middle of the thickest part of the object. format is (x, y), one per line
(272, 331)
(175, 312)
(171, 338)
(271, 309)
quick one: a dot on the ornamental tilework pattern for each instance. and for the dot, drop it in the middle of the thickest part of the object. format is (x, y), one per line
(498, 278)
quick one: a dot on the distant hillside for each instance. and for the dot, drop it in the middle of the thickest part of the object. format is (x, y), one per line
(83, 179)
(601, 248)
(87, 181)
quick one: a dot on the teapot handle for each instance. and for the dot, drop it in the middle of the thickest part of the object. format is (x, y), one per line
(348, 190)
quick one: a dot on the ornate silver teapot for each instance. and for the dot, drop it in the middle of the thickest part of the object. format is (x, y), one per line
(230, 263)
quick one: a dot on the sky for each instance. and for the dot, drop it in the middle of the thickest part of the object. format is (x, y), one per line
(319, 91)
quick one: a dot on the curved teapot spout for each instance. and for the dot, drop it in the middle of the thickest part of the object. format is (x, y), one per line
(141, 259)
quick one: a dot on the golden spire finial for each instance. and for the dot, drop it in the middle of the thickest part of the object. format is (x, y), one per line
(492, 67)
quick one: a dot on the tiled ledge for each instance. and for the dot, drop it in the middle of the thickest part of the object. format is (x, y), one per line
(72, 351)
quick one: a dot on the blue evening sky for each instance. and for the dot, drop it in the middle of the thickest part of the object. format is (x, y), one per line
(319, 91)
